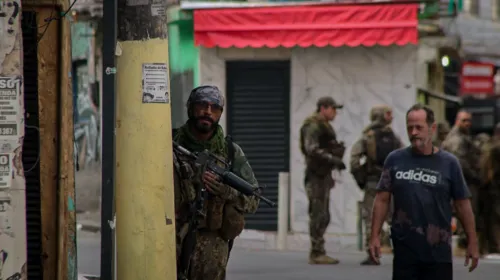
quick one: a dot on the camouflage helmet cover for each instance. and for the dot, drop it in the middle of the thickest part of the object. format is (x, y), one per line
(207, 93)
(377, 113)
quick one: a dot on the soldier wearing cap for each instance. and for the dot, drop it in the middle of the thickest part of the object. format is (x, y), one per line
(323, 154)
(221, 218)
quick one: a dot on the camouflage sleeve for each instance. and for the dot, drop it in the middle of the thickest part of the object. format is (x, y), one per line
(357, 153)
(242, 168)
(400, 142)
(456, 146)
(311, 134)
(180, 227)
(177, 183)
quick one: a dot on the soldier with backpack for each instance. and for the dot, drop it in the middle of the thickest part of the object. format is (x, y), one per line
(367, 159)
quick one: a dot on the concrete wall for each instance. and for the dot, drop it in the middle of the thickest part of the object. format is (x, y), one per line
(359, 78)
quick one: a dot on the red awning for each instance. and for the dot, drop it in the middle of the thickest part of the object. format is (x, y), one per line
(305, 26)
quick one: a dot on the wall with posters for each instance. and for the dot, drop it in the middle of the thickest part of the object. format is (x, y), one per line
(12, 182)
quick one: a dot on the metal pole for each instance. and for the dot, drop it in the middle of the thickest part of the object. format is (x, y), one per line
(283, 210)
(108, 137)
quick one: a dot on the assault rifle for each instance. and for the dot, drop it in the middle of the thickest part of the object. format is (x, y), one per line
(210, 160)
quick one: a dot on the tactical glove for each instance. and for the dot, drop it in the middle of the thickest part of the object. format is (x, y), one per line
(337, 163)
(341, 166)
(217, 188)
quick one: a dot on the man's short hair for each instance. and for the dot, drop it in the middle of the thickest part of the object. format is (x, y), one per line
(429, 114)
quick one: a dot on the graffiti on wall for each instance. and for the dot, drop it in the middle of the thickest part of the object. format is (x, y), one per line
(87, 136)
(87, 131)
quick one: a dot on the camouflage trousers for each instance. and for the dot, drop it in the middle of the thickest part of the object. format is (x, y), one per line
(489, 238)
(462, 237)
(318, 193)
(210, 257)
(367, 210)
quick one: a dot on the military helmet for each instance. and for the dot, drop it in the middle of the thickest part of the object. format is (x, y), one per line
(206, 93)
(377, 113)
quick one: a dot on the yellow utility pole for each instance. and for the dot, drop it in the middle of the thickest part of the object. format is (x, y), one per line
(145, 218)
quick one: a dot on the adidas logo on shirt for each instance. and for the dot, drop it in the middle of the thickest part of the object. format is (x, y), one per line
(417, 176)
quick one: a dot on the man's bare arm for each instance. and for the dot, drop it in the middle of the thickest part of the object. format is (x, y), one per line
(380, 209)
(466, 216)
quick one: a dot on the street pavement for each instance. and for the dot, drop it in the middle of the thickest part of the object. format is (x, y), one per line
(248, 264)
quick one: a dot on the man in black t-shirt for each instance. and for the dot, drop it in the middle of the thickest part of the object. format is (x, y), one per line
(423, 180)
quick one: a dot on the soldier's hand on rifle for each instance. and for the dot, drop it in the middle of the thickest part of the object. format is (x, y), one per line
(216, 187)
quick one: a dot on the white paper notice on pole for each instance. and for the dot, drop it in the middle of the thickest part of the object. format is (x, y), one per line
(155, 83)
(158, 7)
(5, 171)
(9, 108)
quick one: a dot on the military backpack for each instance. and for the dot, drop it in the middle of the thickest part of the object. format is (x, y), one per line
(380, 142)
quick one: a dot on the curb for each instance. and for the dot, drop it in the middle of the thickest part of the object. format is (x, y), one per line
(88, 226)
(88, 277)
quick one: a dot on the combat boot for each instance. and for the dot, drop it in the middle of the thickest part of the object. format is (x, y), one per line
(323, 259)
(369, 261)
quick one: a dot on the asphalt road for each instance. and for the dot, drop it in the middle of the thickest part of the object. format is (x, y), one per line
(271, 265)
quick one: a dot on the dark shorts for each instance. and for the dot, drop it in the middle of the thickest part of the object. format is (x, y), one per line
(422, 271)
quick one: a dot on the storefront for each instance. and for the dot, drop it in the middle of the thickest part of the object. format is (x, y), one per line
(273, 63)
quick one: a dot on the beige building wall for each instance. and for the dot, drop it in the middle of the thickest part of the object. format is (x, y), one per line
(358, 77)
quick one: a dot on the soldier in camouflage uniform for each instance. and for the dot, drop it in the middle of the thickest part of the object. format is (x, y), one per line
(460, 143)
(366, 168)
(221, 218)
(482, 140)
(490, 174)
(323, 154)
(443, 128)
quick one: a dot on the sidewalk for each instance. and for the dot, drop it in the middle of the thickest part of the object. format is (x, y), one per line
(91, 222)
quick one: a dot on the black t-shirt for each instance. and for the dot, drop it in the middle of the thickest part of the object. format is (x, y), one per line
(422, 188)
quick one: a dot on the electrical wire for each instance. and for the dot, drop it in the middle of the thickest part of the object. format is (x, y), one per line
(42, 34)
(47, 24)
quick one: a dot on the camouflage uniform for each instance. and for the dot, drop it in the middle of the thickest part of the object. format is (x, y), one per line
(482, 141)
(490, 173)
(462, 146)
(316, 137)
(367, 175)
(442, 131)
(221, 218)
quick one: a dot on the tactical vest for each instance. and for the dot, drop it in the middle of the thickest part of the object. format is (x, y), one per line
(326, 136)
(316, 166)
(218, 214)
